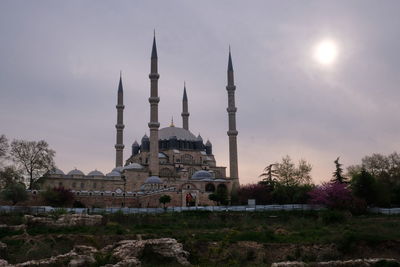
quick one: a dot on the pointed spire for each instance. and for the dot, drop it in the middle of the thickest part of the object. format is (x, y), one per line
(184, 92)
(230, 66)
(154, 50)
(120, 82)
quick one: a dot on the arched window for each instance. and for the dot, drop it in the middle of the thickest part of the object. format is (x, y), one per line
(187, 159)
(82, 185)
(165, 172)
(210, 188)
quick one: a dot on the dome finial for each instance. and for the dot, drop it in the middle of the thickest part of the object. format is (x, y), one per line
(172, 122)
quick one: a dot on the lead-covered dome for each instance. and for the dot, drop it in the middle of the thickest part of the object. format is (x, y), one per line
(117, 169)
(113, 174)
(76, 172)
(153, 180)
(200, 175)
(133, 166)
(180, 134)
(95, 173)
(56, 171)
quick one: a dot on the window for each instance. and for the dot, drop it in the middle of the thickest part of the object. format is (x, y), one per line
(73, 185)
(165, 172)
(94, 184)
(82, 185)
(187, 159)
(210, 188)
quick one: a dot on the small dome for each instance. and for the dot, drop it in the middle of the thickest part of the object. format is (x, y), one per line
(200, 175)
(56, 171)
(208, 143)
(199, 138)
(161, 155)
(113, 174)
(153, 180)
(145, 138)
(118, 169)
(95, 173)
(133, 166)
(135, 144)
(76, 172)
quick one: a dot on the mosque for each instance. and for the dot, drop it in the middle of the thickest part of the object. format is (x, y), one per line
(170, 161)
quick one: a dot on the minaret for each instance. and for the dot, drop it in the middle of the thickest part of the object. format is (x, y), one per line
(153, 100)
(185, 111)
(232, 132)
(119, 146)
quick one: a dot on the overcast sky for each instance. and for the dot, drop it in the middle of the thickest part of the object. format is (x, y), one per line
(60, 64)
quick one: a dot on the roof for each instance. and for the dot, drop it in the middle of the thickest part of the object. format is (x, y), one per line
(76, 172)
(95, 173)
(113, 174)
(153, 180)
(133, 166)
(200, 175)
(56, 171)
(180, 134)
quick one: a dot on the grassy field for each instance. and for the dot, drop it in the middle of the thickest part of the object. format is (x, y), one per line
(223, 239)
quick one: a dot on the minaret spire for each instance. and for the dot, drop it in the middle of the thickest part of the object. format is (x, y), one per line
(119, 146)
(154, 100)
(232, 132)
(185, 110)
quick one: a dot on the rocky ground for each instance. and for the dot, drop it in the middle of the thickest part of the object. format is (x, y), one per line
(96, 240)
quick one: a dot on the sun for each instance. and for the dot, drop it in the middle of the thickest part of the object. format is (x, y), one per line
(326, 52)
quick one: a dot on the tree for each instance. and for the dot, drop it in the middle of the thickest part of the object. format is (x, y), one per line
(220, 197)
(269, 175)
(288, 174)
(338, 173)
(260, 192)
(10, 175)
(58, 197)
(35, 158)
(363, 186)
(3, 146)
(14, 192)
(164, 200)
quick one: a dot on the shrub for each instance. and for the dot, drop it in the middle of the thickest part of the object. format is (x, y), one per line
(260, 192)
(333, 195)
(58, 197)
(14, 192)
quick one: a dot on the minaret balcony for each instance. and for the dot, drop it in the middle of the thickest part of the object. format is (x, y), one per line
(232, 133)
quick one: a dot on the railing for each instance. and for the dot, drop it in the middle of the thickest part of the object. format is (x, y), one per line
(258, 208)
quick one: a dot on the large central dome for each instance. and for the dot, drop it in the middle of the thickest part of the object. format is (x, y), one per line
(180, 134)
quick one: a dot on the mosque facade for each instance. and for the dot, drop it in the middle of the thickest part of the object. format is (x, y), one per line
(170, 161)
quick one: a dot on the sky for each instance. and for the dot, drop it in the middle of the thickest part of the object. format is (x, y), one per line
(60, 63)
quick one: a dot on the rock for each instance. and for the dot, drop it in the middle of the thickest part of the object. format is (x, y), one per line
(133, 262)
(349, 263)
(169, 248)
(66, 220)
(4, 263)
(81, 260)
(13, 227)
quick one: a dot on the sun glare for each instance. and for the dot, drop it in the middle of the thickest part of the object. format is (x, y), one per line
(326, 52)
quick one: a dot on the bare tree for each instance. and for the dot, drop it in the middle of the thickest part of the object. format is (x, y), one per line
(34, 158)
(3, 146)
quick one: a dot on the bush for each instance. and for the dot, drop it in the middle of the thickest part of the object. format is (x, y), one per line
(14, 192)
(333, 195)
(58, 197)
(332, 217)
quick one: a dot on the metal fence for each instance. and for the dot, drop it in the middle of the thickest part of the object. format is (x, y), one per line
(258, 208)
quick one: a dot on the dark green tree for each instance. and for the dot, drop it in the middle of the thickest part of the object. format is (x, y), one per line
(14, 192)
(10, 175)
(364, 186)
(164, 199)
(338, 176)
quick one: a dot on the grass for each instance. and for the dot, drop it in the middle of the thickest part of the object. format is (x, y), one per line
(198, 229)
